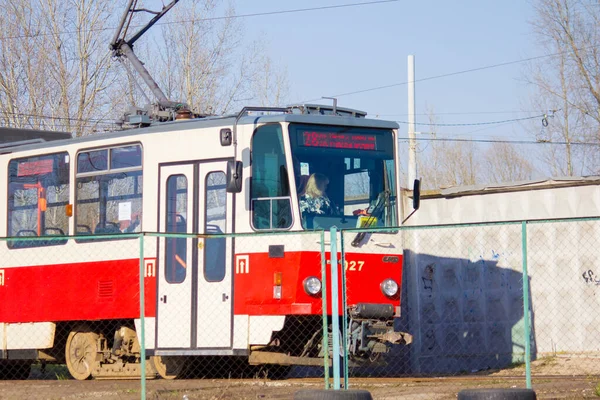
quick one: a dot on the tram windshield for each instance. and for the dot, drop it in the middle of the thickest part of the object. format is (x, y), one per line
(345, 176)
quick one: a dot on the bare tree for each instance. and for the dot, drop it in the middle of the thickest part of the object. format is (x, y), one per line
(445, 163)
(56, 71)
(55, 66)
(270, 85)
(569, 82)
(504, 163)
(202, 62)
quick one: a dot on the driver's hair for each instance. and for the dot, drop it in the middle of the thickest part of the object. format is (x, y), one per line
(314, 185)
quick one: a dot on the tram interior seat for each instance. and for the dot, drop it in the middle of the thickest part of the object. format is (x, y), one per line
(24, 243)
(83, 229)
(214, 254)
(54, 232)
(180, 224)
(51, 231)
(38, 243)
(107, 228)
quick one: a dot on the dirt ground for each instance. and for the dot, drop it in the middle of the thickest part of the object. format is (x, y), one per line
(389, 388)
(557, 377)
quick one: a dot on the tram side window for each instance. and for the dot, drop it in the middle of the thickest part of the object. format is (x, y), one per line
(109, 191)
(176, 247)
(216, 222)
(270, 191)
(38, 193)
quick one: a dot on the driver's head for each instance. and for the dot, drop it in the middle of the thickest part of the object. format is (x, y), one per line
(317, 185)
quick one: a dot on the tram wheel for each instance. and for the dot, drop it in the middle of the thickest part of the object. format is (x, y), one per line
(168, 367)
(80, 354)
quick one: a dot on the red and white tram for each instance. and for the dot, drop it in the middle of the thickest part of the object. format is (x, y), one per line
(76, 300)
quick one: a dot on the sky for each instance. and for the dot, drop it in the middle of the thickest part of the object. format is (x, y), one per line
(330, 52)
(334, 48)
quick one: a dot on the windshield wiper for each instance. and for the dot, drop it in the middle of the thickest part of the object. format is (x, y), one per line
(382, 200)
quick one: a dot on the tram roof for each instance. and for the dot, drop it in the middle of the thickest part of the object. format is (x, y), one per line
(11, 137)
(211, 122)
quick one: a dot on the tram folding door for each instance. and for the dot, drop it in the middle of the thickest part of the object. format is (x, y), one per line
(195, 302)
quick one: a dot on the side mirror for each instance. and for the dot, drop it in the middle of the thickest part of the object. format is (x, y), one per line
(234, 176)
(416, 194)
(226, 137)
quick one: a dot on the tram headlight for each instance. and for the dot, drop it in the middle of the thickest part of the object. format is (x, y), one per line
(389, 287)
(312, 285)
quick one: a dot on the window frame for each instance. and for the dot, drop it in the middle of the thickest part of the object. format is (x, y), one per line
(286, 150)
(293, 137)
(39, 242)
(224, 270)
(168, 265)
(107, 171)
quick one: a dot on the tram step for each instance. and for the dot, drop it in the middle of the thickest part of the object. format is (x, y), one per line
(123, 371)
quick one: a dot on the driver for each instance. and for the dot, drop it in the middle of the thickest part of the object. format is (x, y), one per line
(315, 200)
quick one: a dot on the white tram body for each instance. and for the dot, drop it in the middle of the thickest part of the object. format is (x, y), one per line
(63, 288)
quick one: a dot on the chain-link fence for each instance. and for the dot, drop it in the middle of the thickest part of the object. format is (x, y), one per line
(463, 294)
(414, 301)
(69, 306)
(213, 306)
(250, 314)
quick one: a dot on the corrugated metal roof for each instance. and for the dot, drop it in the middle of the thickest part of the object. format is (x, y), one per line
(518, 186)
(11, 135)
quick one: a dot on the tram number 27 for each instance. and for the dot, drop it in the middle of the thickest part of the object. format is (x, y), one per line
(354, 265)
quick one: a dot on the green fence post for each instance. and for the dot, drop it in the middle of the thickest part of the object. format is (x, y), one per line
(335, 312)
(324, 306)
(344, 312)
(142, 320)
(526, 306)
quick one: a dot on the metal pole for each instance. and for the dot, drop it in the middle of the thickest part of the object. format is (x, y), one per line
(412, 142)
(344, 311)
(526, 306)
(324, 305)
(335, 312)
(142, 319)
(147, 78)
(121, 24)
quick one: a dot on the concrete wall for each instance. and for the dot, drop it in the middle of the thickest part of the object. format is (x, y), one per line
(463, 285)
(464, 298)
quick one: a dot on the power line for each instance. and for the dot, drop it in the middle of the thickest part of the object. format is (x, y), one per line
(477, 123)
(505, 141)
(297, 10)
(466, 71)
(461, 113)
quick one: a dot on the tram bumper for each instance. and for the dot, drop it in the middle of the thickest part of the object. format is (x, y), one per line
(371, 332)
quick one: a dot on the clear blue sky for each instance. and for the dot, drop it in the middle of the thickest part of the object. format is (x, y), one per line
(334, 51)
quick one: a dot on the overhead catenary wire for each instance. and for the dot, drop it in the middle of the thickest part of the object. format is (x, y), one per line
(465, 71)
(225, 17)
(524, 142)
(377, 115)
(543, 116)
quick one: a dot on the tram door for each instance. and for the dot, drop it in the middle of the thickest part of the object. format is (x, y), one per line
(174, 275)
(214, 301)
(195, 305)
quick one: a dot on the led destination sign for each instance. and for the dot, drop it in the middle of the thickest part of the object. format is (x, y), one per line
(339, 140)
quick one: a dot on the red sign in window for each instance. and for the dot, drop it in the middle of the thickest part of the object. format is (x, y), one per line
(40, 167)
(339, 140)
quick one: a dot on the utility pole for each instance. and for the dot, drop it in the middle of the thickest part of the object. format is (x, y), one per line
(412, 142)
